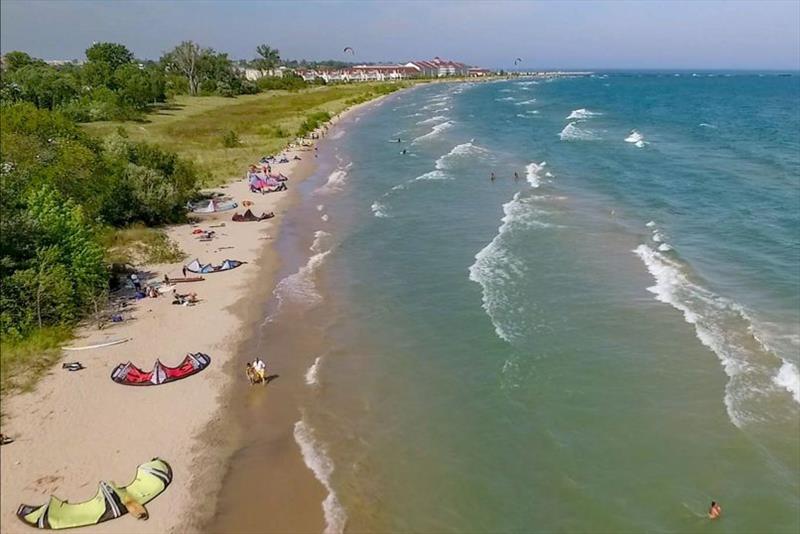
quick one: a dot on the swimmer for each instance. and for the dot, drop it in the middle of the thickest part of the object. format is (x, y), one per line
(715, 511)
(398, 140)
(492, 177)
(404, 151)
(516, 176)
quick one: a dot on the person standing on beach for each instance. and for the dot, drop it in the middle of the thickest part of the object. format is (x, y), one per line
(184, 271)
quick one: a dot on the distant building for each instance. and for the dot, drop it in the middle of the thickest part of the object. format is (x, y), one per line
(439, 68)
(478, 72)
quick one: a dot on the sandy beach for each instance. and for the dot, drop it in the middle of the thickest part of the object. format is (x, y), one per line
(78, 428)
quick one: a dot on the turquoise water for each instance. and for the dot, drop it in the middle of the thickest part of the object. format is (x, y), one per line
(606, 343)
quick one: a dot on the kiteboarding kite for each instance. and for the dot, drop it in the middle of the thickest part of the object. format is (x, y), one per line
(111, 501)
(350, 50)
(128, 374)
(197, 267)
(517, 61)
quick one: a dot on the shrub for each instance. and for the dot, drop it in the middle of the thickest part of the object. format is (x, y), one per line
(230, 139)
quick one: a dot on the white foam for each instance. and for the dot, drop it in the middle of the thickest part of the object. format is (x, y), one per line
(324, 217)
(316, 458)
(788, 377)
(337, 134)
(435, 118)
(636, 138)
(312, 374)
(663, 247)
(321, 239)
(504, 99)
(581, 114)
(532, 173)
(525, 102)
(496, 268)
(432, 175)
(300, 287)
(379, 209)
(458, 152)
(320, 207)
(437, 129)
(336, 181)
(650, 224)
(572, 132)
(707, 125)
(723, 327)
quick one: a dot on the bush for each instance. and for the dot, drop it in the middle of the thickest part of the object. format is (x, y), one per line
(288, 82)
(230, 139)
(312, 122)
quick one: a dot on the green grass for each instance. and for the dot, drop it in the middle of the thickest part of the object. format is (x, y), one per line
(265, 123)
(23, 362)
(139, 244)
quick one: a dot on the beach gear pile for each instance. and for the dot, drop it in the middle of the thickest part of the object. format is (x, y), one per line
(130, 375)
(249, 216)
(110, 502)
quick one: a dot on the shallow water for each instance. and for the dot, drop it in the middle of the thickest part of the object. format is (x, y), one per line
(606, 343)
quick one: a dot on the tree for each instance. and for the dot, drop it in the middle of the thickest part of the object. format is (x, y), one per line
(15, 60)
(185, 58)
(269, 58)
(112, 54)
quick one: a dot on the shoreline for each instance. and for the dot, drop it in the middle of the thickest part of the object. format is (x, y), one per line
(50, 424)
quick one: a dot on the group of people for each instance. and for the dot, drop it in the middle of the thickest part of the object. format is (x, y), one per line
(264, 181)
(492, 176)
(256, 371)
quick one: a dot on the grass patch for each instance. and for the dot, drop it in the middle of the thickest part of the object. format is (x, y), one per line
(139, 244)
(264, 124)
(24, 361)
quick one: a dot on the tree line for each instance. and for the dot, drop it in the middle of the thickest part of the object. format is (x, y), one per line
(112, 85)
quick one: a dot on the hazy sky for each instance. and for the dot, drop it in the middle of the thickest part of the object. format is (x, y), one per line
(591, 34)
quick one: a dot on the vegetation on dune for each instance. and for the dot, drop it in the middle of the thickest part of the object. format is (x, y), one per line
(77, 200)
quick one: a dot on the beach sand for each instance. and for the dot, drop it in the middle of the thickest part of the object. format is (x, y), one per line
(77, 428)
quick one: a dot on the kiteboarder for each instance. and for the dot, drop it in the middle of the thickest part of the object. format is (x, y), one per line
(404, 151)
(516, 176)
(492, 177)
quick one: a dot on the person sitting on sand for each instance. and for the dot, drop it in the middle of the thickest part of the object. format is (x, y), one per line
(715, 511)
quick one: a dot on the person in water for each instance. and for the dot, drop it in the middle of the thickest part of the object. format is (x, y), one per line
(404, 151)
(398, 140)
(492, 177)
(516, 176)
(715, 511)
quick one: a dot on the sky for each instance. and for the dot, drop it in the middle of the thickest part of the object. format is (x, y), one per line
(758, 34)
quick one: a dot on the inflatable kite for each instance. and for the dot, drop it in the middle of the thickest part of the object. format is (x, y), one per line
(227, 265)
(130, 375)
(152, 478)
(249, 216)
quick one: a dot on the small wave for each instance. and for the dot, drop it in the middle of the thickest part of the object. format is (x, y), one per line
(788, 377)
(312, 374)
(464, 150)
(527, 83)
(316, 458)
(525, 102)
(496, 268)
(438, 129)
(504, 99)
(707, 125)
(432, 175)
(532, 173)
(723, 327)
(582, 114)
(321, 238)
(435, 118)
(320, 207)
(337, 134)
(572, 132)
(636, 138)
(324, 217)
(300, 288)
(379, 209)
(336, 181)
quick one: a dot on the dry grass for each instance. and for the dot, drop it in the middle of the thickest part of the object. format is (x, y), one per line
(23, 362)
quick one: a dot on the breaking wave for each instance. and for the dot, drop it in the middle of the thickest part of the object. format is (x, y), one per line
(636, 138)
(525, 102)
(316, 458)
(379, 209)
(460, 151)
(533, 173)
(582, 114)
(498, 270)
(312, 374)
(438, 129)
(572, 132)
(336, 181)
(435, 118)
(725, 328)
